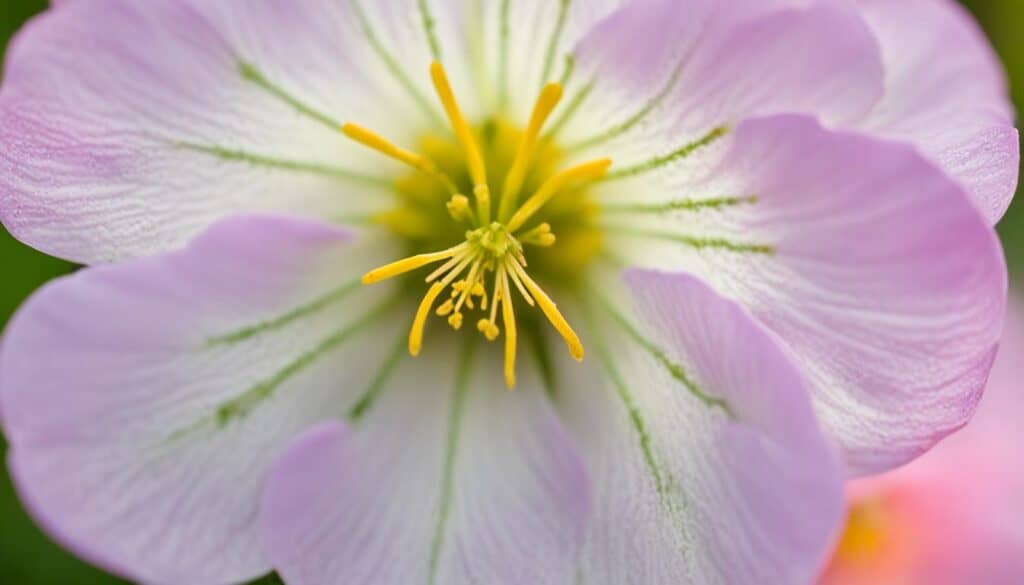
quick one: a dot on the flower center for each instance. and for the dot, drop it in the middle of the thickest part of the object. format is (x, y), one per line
(495, 223)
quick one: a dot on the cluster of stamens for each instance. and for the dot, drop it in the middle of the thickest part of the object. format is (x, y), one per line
(492, 253)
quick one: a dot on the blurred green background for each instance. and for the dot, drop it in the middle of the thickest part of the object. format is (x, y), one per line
(27, 557)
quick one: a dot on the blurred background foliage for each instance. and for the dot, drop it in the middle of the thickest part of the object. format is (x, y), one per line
(28, 557)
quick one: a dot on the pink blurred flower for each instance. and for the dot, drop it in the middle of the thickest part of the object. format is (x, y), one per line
(953, 517)
(803, 191)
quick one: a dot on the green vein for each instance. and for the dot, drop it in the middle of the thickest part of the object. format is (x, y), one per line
(629, 402)
(243, 404)
(252, 74)
(269, 162)
(632, 121)
(549, 57)
(377, 385)
(394, 68)
(324, 301)
(504, 31)
(679, 205)
(455, 414)
(567, 71)
(430, 28)
(675, 370)
(247, 401)
(692, 241)
(674, 156)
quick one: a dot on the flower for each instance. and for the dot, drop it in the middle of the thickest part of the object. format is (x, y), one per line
(777, 185)
(949, 518)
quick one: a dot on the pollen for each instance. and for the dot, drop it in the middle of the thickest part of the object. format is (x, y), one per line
(481, 272)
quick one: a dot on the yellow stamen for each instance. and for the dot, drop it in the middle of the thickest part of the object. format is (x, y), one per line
(464, 134)
(446, 308)
(458, 208)
(509, 319)
(409, 264)
(546, 103)
(383, 146)
(416, 333)
(551, 311)
(521, 288)
(590, 171)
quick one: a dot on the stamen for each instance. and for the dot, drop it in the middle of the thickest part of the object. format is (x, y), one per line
(522, 290)
(509, 319)
(590, 171)
(409, 264)
(416, 333)
(546, 103)
(382, 145)
(550, 310)
(458, 208)
(464, 134)
(539, 236)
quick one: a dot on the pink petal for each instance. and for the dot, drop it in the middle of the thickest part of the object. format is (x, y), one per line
(145, 401)
(947, 94)
(886, 283)
(452, 479)
(686, 491)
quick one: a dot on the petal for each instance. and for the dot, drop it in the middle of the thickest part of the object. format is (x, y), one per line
(706, 65)
(126, 129)
(451, 479)
(709, 466)
(947, 94)
(145, 401)
(867, 260)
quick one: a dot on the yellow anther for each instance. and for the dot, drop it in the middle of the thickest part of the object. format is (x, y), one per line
(550, 310)
(590, 171)
(416, 333)
(489, 329)
(458, 208)
(455, 320)
(464, 134)
(446, 308)
(409, 264)
(539, 236)
(385, 147)
(478, 289)
(546, 103)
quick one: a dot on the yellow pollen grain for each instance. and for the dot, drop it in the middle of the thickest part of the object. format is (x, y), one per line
(382, 145)
(546, 104)
(589, 171)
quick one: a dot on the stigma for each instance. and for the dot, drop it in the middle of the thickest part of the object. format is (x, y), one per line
(487, 270)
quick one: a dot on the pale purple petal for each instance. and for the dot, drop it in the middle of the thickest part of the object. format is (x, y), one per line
(872, 265)
(947, 94)
(127, 128)
(706, 64)
(145, 401)
(743, 490)
(451, 479)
